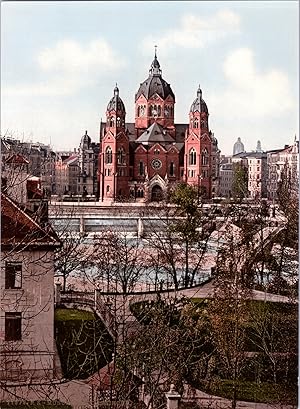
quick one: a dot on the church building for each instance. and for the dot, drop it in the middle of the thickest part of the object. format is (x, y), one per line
(140, 161)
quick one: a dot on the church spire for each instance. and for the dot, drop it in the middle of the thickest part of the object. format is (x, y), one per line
(199, 93)
(155, 66)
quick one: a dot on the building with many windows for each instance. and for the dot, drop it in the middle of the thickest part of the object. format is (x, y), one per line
(140, 161)
(27, 345)
(277, 161)
(256, 165)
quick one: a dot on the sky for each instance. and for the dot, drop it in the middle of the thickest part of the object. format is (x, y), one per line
(60, 62)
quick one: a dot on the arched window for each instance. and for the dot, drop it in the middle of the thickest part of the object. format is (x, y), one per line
(141, 168)
(121, 156)
(138, 110)
(159, 110)
(192, 157)
(111, 121)
(196, 123)
(204, 157)
(118, 121)
(172, 169)
(108, 155)
(141, 110)
(140, 193)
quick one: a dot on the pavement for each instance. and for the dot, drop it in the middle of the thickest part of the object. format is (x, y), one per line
(78, 394)
(206, 401)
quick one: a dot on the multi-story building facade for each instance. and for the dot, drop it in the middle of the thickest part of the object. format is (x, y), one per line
(225, 179)
(257, 175)
(67, 174)
(141, 161)
(41, 160)
(256, 165)
(26, 291)
(277, 160)
(14, 176)
(88, 165)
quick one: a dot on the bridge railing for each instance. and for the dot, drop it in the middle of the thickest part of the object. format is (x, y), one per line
(77, 297)
(93, 300)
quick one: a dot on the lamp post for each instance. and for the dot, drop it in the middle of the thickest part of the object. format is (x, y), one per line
(200, 177)
(135, 189)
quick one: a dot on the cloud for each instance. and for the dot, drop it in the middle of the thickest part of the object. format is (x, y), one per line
(68, 66)
(70, 57)
(251, 92)
(196, 31)
(256, 104)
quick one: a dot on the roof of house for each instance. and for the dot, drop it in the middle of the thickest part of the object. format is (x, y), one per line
(17, 158)
(19, 230)
(250, 155)
(71, 159)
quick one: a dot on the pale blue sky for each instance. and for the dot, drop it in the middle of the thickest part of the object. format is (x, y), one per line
(61, 60)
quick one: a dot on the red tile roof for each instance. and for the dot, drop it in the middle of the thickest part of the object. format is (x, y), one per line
(20, 231)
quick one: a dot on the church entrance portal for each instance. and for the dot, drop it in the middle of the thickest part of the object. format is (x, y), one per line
(156, 193)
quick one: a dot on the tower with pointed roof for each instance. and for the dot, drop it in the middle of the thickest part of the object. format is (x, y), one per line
(114, 154)
(198, 147)
(87, 167)
(154, 101)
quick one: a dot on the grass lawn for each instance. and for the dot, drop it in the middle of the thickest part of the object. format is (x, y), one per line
(253, 392)
(70, 314)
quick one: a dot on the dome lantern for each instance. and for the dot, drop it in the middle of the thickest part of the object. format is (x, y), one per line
(155, 84)
(116, 104)
(199, 103)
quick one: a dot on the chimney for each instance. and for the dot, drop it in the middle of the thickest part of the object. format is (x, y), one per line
(173, 398)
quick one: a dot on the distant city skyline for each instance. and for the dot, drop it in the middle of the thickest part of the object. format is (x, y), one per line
(61, 61)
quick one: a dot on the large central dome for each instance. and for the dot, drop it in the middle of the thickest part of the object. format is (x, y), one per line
(155, 84)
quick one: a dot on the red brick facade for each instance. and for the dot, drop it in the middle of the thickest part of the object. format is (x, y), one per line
(141, 161)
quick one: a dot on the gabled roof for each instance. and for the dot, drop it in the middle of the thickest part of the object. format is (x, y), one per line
(20, 231)
(17, 158)
(155, 134)
(71, 159)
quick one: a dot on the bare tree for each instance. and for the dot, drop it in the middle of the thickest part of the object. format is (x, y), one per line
(180, 245)
(118, 260)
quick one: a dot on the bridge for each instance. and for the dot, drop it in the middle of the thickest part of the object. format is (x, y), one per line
(135, 219)
(114, 308)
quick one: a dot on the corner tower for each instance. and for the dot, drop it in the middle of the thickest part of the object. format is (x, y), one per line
(114, 152)
(198, 148)
(154, 101)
